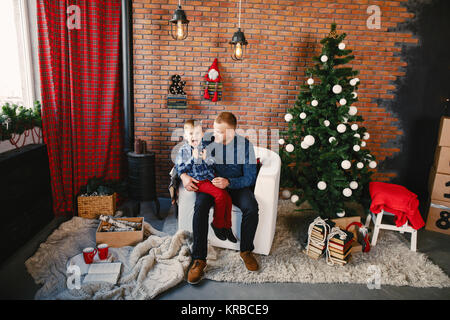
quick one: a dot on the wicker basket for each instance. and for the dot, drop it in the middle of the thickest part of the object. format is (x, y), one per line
(92, 207)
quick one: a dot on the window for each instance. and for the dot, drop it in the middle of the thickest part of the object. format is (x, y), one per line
(16, 64)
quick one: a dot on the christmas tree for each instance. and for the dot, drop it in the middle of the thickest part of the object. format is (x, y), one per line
(324, 160)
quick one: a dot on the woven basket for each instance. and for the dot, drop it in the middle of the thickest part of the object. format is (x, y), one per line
(92, 207)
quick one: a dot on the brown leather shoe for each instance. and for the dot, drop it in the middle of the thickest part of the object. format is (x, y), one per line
(249, 260)
(196, 272)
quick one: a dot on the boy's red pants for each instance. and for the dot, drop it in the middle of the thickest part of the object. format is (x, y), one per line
(222, 203)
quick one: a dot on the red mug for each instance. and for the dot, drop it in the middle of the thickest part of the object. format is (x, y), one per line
(103, 251)
(89, 254)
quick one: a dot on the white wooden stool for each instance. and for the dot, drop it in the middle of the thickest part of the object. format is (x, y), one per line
(378, 225)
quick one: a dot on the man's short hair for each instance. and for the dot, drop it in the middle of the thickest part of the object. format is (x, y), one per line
(228, 118)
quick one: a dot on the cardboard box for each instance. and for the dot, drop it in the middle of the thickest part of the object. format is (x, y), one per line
(442, 160)
(438, 215)
(342, 223)
(440, 187)
(444, 132)
(122, 238)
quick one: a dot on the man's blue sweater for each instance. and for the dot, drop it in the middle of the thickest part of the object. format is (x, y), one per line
(235, 161)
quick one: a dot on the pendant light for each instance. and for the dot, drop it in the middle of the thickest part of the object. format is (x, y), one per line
(180, 24)
(238, 42)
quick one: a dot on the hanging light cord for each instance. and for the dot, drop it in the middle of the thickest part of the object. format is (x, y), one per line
(240, 13)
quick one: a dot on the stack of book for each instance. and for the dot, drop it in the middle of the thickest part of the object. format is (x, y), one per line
(340, 249)
(176, 101)
(317, 241)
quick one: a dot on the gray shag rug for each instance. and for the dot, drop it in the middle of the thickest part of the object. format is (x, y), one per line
(162, 260)
(391, 258)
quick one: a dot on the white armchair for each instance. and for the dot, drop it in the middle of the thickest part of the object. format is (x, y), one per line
(266, 194)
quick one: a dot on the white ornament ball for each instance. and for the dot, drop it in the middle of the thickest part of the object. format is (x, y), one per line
(352, 110)
(346, 164)
(342, 102)
(326, 123)
(372, 164)
(286, 194)
(354, 127)
(309, 140)
(363, 144)
(366, 136)
(357, 79)
(347, 192)
(341, 46)
(310, 81)
(354, 185)
(314, 103)
(324, 58)
(353, 82)
(304, 145)
(360, 165)
(341, 128)
(356, 135)
(281, 141)
(302, 115)
(295, 198)
(356, 148)
(321, 185)
(355, 95)
(289, 148)
(288, 117)
(341, 214)
(331, 139)
(337, 89)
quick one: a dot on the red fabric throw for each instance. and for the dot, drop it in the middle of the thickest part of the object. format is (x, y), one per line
(397, 200)
(79, 55)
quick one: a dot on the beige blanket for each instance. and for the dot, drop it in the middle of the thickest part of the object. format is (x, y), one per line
(153, 266)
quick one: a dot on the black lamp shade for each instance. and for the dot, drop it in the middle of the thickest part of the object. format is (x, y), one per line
(179, 25)
(238, 44)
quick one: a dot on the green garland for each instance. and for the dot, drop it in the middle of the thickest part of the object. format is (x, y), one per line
(16, 119)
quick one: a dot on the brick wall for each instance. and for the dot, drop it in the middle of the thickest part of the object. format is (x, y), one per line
(283, 36)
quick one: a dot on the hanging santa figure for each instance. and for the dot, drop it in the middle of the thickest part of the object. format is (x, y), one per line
(213, 76)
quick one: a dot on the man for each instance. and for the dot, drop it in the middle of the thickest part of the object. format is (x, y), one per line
(235, 171)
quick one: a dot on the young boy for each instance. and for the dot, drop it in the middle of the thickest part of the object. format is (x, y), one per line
(193, 160)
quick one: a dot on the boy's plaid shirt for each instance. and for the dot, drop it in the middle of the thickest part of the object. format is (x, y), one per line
(196, 168)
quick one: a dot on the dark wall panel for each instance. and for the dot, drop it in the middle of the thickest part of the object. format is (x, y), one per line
(421, 98)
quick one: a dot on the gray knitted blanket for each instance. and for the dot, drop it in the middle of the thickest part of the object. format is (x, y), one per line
(153, 266)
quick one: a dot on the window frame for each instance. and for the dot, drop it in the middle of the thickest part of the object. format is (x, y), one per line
(26, 67)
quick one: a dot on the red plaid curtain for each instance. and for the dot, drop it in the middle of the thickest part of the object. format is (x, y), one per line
(79, 54)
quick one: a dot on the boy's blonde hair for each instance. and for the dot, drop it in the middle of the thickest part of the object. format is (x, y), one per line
(191, 123)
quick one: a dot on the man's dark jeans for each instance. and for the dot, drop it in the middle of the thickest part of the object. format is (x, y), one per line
(244, 199)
